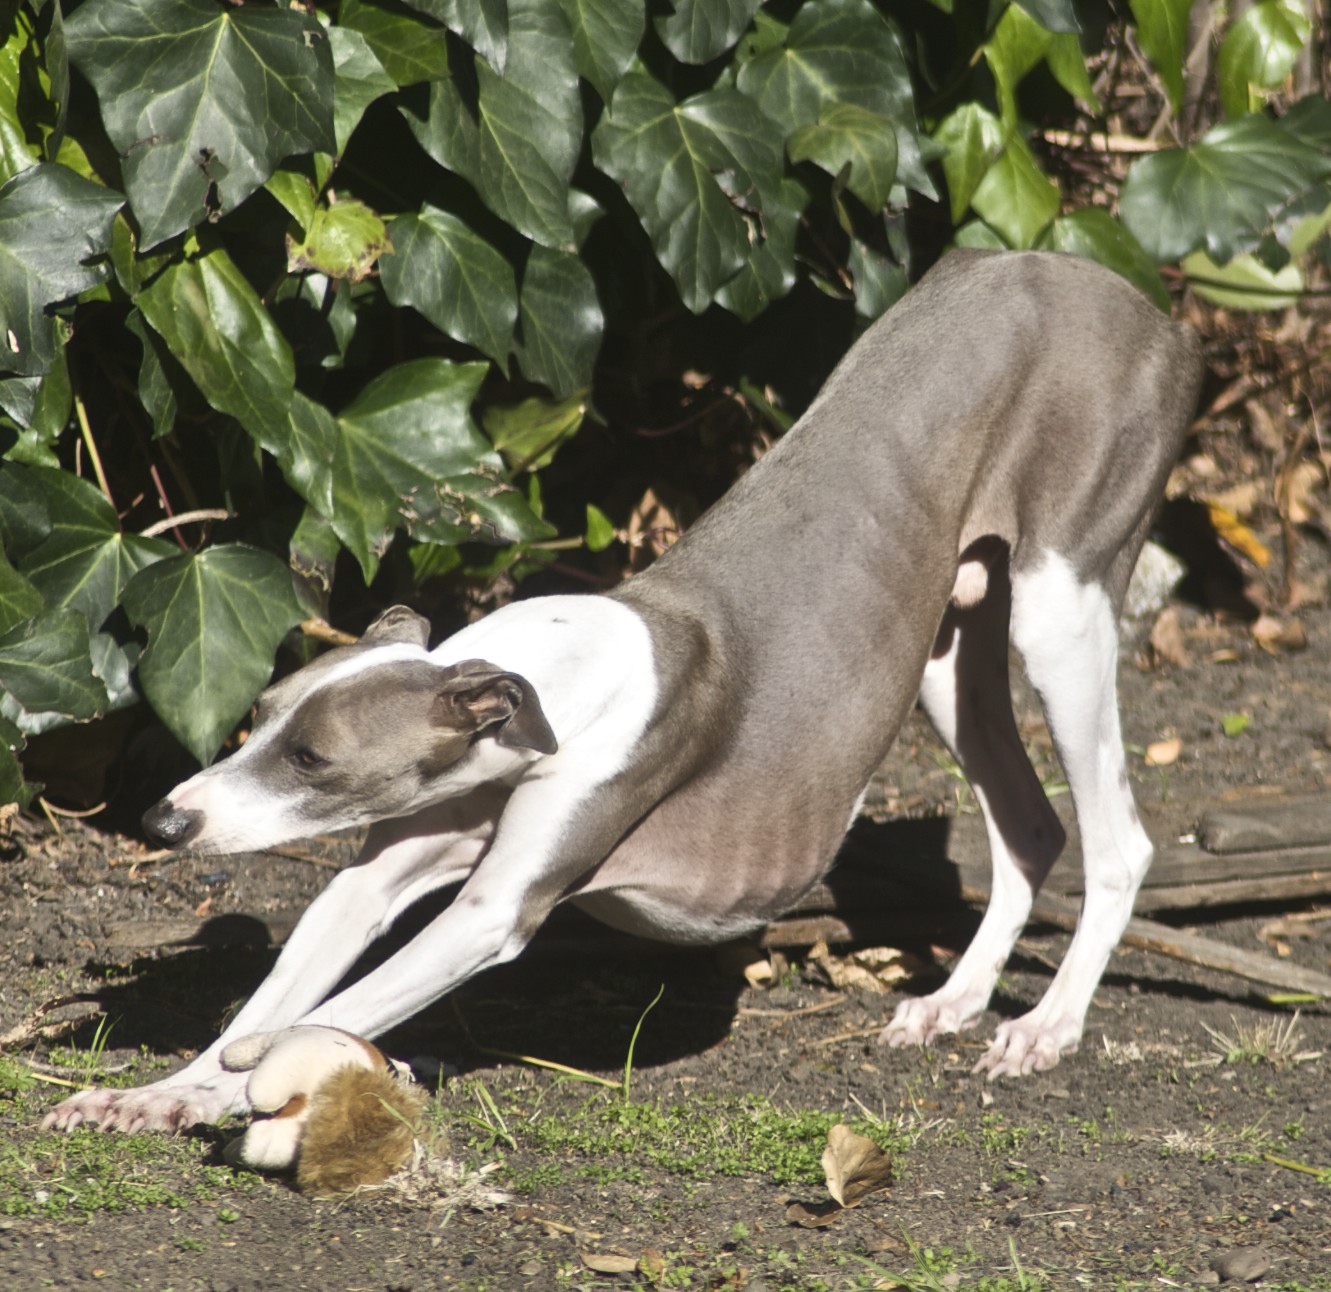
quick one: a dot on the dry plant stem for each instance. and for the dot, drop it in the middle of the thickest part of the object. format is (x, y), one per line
(321, 630)
(76, 813)
(184, 518)
(1288, 530)
(94, 456)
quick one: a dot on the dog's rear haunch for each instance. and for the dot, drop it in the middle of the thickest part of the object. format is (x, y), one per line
(682, 756)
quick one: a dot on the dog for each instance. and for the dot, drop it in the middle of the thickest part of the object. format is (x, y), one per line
(681, 757)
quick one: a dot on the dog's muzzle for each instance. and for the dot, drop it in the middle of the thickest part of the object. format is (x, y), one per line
(170, 826)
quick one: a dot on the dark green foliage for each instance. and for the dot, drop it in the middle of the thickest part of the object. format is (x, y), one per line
(274, 267)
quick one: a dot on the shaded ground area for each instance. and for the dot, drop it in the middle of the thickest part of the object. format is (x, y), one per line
(1192, 1131)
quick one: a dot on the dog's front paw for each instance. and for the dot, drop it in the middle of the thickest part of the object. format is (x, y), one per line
(919, 1021)
(160, 1107)
(1026, 1045)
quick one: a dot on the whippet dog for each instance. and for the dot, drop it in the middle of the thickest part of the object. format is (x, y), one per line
(682, 756)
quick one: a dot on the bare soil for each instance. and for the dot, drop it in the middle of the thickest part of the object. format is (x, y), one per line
(1155, 1153)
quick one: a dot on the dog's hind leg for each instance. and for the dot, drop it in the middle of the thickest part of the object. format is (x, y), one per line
(966, 693)
(1066, 631)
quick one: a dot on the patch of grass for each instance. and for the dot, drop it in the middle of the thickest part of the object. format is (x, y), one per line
(739, 1136)
(85, 1172)
(1277, 1042)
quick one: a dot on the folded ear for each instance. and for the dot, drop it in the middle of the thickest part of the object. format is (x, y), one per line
(478, 696)
(397, 624)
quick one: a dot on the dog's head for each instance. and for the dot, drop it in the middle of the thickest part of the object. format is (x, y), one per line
(365, 733)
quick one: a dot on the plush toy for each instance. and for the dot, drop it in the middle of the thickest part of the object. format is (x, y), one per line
(328, 1103)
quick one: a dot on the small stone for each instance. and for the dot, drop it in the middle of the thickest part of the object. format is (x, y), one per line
(1242, 1264)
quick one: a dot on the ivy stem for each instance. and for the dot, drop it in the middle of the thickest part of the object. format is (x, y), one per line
(96, 457)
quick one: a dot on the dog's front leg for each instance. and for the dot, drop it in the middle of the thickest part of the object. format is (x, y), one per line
(401, 862)
(550, 834)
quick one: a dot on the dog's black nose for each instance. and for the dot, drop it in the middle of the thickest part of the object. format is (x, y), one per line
(170, 826)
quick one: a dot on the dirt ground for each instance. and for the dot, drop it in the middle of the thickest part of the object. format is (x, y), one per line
(1188, 1142)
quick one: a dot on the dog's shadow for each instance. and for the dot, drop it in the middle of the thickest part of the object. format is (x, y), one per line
(576, 995)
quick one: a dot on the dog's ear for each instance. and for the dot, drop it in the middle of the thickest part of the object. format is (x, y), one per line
(477, 696)
(397, 624)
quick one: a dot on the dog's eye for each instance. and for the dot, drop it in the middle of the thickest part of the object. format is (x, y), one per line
(306, 758)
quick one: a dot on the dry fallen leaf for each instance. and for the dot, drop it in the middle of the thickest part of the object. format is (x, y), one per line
(1164, 752)
(1303, 482)
(609, 1262)
(876, 969)
(1167, 642)
(855, 1166)
(1276, 635)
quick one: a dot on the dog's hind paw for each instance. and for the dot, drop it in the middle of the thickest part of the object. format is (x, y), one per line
(918, 1021)
(1026, 1045)
(147, 1108)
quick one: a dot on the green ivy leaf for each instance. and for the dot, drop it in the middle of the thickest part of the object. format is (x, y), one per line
(202, 100)
(17, 153)
(19, 600)
(839, 51)
(216, 326)
(1015, 197)
(1018, 45)
(559, 321)
(483, 24)
(529, 433)
(214, 622)
(973, 137)
(85, 560)
(1053, 15)
(769, 269)
(1223, 193)
(45, 665)
(1259, 52)
(1245, 283)
(600, 532)
(606, 36)
(671, 157)
(360, 79)
(1095, 234)
(1162, 30)
(457, 280)
(408, 48)
(406, 452)
(52, 224)
(879, 281)
(847, 135)
(515, 138)
(341, 241)
(13, 788)
(699, 30)
(156, 393)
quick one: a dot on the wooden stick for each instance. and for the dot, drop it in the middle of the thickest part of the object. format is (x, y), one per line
(1188, 947)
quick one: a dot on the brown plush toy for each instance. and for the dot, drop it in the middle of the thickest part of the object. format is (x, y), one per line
(328, 1103)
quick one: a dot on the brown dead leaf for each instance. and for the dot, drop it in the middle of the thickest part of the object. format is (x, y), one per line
(1240, 499)
(1300, 485)
(1276, 636)
(1164, 752)
(1167, 641)
(854, 1165)
(652, 1264)
(1266, 423)
(204, 906)
(654, 527)
(876, 969)
(609, 1262)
